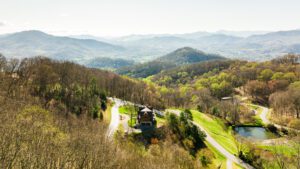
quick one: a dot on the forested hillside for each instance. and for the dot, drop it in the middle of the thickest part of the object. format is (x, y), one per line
(202, 85)
(179, 57)
(58, 110)
(67, 82)
(188, 55)
(109, 63)
(53, 115)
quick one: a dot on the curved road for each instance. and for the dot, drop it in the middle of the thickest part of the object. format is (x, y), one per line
(264, 115)
(230, 157)
(265, 120)
(115, 117)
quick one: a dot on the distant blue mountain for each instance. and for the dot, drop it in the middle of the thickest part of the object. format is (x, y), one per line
(33, 43)
(141, 48)
(254, 47)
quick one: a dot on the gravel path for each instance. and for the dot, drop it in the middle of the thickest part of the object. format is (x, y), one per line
(115, 117)
(264, 115)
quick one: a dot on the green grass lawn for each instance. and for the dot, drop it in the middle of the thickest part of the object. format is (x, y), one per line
(219, 159)
(285, 149)
(129, 110)
(216, 128)
(160, 120)
(236, 166)
(132, 123)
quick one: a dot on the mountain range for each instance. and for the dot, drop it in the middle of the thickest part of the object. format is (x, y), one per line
(141, 48)
(255, 47)
(33, 43)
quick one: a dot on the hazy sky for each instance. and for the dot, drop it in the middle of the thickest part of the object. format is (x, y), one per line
(123, 17)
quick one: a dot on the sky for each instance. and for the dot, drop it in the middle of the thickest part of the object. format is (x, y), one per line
(125, 17)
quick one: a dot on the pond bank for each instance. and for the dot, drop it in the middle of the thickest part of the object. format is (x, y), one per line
(254, 132)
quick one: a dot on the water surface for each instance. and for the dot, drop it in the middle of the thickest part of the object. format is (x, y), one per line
(258, 133)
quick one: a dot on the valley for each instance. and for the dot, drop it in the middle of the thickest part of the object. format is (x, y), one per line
(211, 108)
(150, 84)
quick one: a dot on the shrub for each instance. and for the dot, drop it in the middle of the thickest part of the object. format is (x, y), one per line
(295, 123)
(216, 111)
(205, 155)
(204, 161)
(200, 108)
(190, 135)
(272, 128)
(188, 114)
(252, 157)
(154, 141)
(284, 131)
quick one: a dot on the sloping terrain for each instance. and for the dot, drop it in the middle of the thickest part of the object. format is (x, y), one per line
(179, 57)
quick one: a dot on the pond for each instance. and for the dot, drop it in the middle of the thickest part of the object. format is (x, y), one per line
(258, 133)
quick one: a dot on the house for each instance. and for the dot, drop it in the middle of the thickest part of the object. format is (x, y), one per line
(146, 116)
(234, 100)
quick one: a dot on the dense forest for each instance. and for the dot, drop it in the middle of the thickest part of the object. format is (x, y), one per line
(109, 63)
(57, 109)
(182, 56)
(203, 85)
(52, 112)
(69, 83)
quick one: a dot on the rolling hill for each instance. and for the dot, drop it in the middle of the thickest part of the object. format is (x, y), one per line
(187, 55)
(179, 57)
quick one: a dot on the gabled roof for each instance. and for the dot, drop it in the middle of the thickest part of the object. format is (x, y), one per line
(146, 109)
(226, 98)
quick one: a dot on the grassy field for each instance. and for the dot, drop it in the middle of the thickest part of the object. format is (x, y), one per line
(128, 109)
(236, 166)
(219, 160)
(216, 128)
(285, 149)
